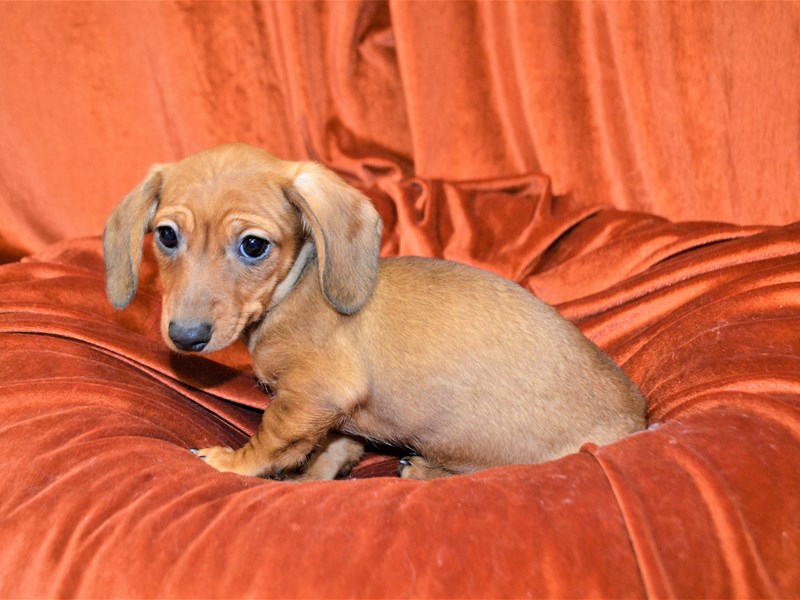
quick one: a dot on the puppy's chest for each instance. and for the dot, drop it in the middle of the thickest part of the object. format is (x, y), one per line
(276, 354)
(268, 364)
(283, 345)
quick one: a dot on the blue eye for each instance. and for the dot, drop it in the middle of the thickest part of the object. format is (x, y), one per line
(167, 236)
(253, 248)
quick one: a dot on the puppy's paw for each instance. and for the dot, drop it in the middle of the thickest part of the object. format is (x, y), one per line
(416, 467)
(224, 459)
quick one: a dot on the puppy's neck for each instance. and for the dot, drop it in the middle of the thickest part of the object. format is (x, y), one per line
(287, 285)
(283, 289)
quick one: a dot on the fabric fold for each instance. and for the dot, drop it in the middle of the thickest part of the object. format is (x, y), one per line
(97, 418)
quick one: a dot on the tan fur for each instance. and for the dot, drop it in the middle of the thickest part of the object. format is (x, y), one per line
(467, 369)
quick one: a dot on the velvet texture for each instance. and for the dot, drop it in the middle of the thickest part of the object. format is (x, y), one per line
(466, 124)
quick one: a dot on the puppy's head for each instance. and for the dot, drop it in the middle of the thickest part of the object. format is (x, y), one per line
(234, 228)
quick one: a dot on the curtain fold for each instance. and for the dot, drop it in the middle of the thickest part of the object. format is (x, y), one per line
(689, 111)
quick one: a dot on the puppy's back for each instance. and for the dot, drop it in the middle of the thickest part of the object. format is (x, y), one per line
(465, 363)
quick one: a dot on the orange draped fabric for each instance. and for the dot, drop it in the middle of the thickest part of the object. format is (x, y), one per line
(690, 111)
(634, 164)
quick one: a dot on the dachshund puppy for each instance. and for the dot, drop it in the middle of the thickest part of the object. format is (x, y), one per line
(460, 366)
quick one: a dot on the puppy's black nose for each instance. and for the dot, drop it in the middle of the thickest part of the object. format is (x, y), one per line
(191, 337)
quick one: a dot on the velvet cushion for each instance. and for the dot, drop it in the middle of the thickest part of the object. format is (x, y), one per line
(102, 498)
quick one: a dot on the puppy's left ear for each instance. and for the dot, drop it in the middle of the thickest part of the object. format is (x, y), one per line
(123, 237)
(346, 230)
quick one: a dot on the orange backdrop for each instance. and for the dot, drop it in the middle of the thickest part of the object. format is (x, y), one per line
(686, 110)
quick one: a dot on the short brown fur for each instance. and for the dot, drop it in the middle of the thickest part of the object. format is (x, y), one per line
(465, 368)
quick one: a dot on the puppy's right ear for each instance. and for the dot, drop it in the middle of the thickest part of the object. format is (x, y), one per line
(124, 235)
(347, 233)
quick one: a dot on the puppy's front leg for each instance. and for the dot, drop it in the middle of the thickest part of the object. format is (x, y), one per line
(290, 429)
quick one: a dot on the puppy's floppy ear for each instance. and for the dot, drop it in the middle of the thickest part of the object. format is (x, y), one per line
(346, 230)
(123, 237)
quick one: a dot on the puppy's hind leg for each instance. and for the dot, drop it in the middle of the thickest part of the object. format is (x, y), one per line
(417, 467)
(335, 457)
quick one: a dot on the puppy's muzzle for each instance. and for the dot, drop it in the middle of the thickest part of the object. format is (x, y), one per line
(190, 336)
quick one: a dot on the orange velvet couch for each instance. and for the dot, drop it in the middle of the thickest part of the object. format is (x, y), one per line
(636, 165)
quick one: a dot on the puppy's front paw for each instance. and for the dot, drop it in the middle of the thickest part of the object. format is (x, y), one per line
(224, 459)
